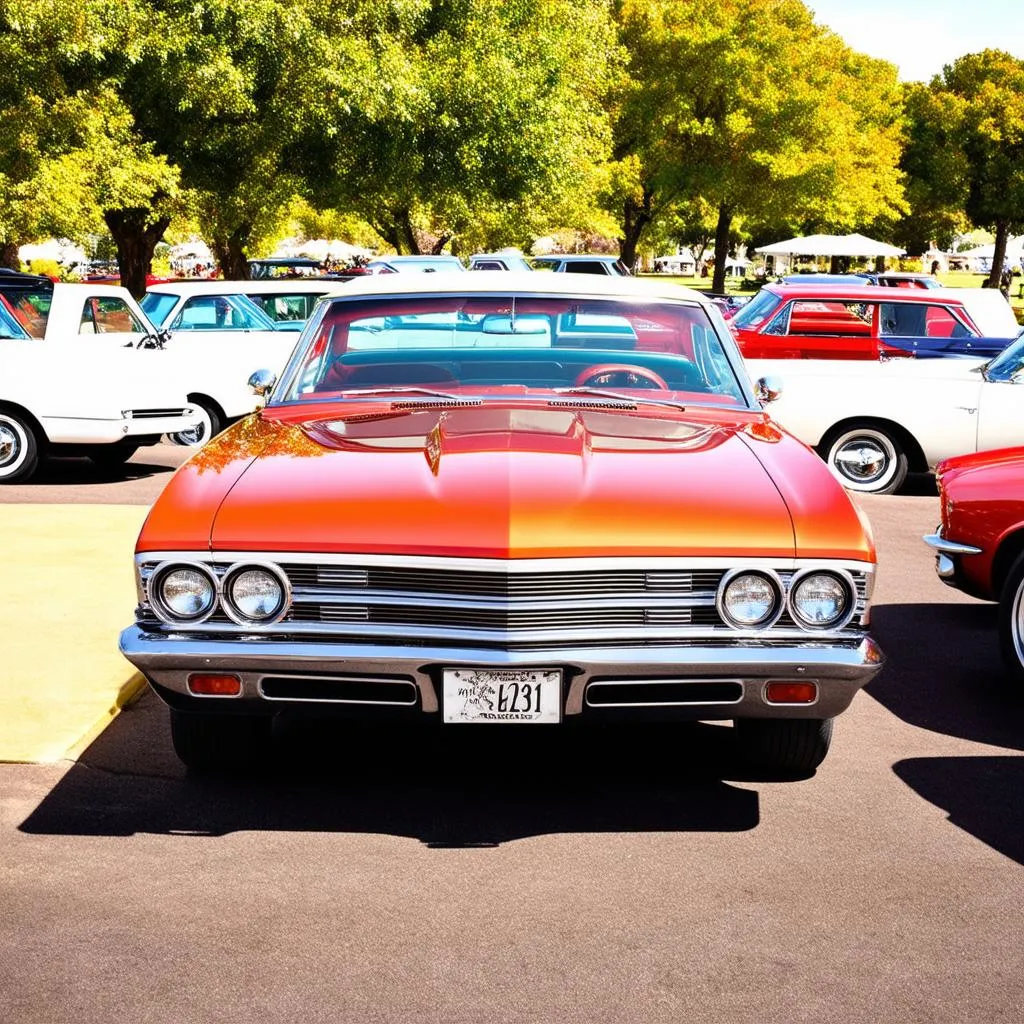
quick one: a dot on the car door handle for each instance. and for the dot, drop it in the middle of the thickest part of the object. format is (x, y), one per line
(969, 409)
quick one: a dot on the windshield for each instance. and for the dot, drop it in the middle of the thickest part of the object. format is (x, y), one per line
(1008, 363)
(157, 306)
(757, 310)
(484, 345)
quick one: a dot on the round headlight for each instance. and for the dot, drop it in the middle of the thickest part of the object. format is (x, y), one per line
(256, 595)
(750, 599)
(820, 600)
(185, 593)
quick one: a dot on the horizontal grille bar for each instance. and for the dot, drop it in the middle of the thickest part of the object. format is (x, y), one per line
(454, 582)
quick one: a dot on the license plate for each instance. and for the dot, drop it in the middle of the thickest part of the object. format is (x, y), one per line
(512, 696)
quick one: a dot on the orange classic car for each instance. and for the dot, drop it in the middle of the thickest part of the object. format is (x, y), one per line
(502, 499)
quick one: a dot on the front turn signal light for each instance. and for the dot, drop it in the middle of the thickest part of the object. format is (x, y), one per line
(209, 685)
(787, 692)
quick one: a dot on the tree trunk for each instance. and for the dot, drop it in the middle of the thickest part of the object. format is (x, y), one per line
(397, 231)
(9, 255)
(439, 245)
(231, 254)
(635, 218)
(999, 255)
(136, 236)
(721, 247)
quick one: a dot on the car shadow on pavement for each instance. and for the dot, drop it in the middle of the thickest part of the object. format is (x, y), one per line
(459, 790)
(981, 795)
(82, 472)
(959, 687)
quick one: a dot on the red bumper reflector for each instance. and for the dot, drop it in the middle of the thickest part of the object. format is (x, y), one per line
(791, 693)
(215, 686)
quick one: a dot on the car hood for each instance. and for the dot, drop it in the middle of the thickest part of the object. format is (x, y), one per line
(503, 482)
(960, 465)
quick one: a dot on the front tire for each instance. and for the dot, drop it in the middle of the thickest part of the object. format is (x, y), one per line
(1011, 623)
(220, 742)
(868, 459)
(784, 746)
(19, 448)
(209, 425)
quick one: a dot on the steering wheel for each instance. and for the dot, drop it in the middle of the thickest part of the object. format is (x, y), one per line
(620, 375)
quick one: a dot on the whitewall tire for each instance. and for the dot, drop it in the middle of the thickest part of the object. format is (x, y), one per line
(19, 448)
(867, 459)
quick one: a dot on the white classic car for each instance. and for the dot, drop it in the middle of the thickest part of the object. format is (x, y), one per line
(223, 326)
(63, 398)
(873, 421)
(214, 360)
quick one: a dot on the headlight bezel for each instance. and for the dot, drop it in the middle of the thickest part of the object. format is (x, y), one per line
(232, 611)
(156, 600)
(849, 586)
(773, 579)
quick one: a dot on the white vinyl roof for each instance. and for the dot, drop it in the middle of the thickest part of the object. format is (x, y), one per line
(831, 245)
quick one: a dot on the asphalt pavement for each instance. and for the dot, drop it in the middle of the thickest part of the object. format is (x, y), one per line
(599, 877)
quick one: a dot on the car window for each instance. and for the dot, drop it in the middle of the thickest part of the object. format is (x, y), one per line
(9, 325)
(158, 306)
(920, 320)
(487, 265)
(108, 315)
(286, 308)
(574, 267)
(780, 322)
(814, 318)
(221, 313)
(757, 310)
(31, 309)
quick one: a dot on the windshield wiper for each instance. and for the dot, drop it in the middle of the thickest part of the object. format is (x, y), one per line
(411, 390)
(619, 397)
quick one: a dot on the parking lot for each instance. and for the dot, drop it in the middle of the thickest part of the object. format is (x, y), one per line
(612, 875)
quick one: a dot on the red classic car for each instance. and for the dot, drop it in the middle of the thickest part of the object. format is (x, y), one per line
(979, 545)
(810, 321)
(501, 498)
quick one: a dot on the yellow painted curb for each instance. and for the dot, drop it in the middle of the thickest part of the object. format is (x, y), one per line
(68, 590)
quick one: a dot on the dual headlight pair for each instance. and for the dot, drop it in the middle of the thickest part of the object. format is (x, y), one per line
(816, 599)
(186, 594)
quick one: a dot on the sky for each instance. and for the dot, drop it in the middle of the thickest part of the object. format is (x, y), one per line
(919, 36)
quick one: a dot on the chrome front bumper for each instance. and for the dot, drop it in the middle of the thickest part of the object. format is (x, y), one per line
(839, 669)
(946, 553)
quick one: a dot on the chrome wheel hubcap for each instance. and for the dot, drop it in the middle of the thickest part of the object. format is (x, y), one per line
(10, 445)
(862, 460)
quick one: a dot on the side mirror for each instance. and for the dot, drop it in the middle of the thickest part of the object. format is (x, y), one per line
(262, 382)
(768, 389)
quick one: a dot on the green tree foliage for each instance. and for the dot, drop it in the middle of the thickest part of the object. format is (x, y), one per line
(975, 110)
(751, 106)
(462, 114)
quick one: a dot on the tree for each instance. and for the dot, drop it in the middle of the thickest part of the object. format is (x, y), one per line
(752, 107)
(982, 96)
(473, 112)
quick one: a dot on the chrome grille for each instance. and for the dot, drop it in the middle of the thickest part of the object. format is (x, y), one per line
(424, 602)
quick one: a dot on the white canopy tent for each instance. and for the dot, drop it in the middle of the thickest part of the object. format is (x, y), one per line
(831, 245)
(981, 256)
